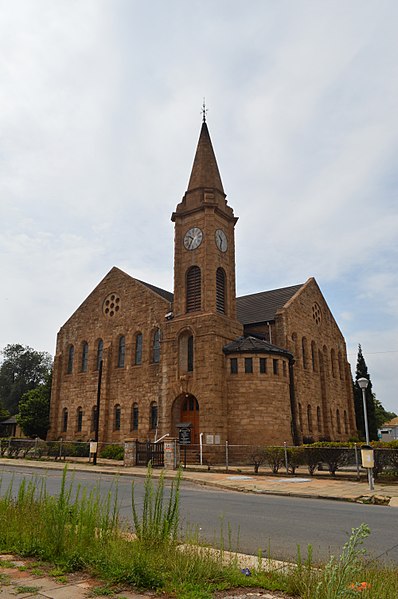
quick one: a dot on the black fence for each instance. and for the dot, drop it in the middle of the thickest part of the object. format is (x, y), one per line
(152, 453)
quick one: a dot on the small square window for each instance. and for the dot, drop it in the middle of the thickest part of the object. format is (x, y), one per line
(263, 365)
(248, 365)
(234, 365)
(275, 365)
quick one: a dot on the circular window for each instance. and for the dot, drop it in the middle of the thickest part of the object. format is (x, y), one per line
(111, 305)
(316, 313)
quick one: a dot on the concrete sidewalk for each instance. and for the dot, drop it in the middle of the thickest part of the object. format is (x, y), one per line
(323, 486)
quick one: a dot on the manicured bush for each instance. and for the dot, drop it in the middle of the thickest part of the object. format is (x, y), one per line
(112, 452)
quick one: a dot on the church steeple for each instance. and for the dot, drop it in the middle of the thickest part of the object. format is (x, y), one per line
(205, 171)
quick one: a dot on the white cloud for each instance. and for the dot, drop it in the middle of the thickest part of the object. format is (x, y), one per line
(100, 117)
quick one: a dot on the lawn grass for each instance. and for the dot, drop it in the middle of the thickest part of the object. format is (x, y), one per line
(81, 530)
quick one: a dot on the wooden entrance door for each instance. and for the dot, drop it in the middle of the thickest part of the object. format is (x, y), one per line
(190, 413)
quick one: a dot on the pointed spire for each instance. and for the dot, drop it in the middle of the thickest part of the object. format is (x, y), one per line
(205, 171)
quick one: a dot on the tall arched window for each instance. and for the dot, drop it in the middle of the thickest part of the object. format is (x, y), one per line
(121, 352)
(100, 353)
(84, 363)
(138, 349)
(134, 417)
(193, 289)
(153, 415)
(338, 421)
(345, 422)
(341, 369)
(313, 356)
(304, 352)
(79, 419)
(220, 290)
(71, 355)
(319, 419)
(93, 418)
(309, 418)
(190, 353)
(156, 347)
(333, 362)
(64, 420)
(300, 417)
(117, 418)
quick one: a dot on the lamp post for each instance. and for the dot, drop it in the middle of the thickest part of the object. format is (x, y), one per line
(363, 384)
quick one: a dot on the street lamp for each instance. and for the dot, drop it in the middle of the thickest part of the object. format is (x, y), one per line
(363, 384)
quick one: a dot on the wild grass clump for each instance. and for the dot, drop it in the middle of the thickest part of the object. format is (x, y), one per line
(159, 521)
(79, 529)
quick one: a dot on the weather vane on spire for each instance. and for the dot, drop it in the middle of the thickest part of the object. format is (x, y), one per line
(204, 110)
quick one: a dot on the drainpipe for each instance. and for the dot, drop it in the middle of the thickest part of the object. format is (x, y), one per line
(269, 332)
(295, 432)
(201, 449)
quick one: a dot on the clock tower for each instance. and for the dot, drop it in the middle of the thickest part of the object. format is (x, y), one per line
(204, 253)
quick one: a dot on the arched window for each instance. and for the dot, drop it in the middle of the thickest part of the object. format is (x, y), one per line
(333, 362)
(84, 363)
(117, 417)
(153, 416)
(134, 417)
(300, 417)
(79, 419)
(193, 289)
(341, 369)
(156, 347)
(100, 353)
(121, 352)
(190, 353)
(313, 356)
(64, 420)
(309, 418)
(345, 422)
(93, 418)
(319, 419)
(338, 421)
(71, 355)
(220, 290)
(138, 349)
(304, 352)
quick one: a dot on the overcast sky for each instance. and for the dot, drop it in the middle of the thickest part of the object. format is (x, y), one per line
(100, 106)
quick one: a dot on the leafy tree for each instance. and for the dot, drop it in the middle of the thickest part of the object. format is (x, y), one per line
(34, 410)
(22, 369)
(362, 372)
(382, 416)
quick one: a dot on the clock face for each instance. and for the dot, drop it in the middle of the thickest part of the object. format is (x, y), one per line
(221, 240)
(193, 238)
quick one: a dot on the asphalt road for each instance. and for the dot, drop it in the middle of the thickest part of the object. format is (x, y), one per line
(246, 522)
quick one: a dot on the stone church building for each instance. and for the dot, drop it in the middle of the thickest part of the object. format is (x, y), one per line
(259, 369)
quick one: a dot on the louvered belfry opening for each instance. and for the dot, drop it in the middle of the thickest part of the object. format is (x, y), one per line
(220, 290)
(194, 291)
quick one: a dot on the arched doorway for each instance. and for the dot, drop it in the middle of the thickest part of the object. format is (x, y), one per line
(189, 412)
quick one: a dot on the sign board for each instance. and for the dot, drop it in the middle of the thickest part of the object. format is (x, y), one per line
(184, 436)
(93, 447)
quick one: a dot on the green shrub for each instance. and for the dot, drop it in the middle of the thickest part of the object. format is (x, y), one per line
(112, 452)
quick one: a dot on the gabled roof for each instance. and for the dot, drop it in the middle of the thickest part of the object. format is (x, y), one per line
(393, 422)
(253, 345)
(262, 307)
(167, 295)
(205, 171)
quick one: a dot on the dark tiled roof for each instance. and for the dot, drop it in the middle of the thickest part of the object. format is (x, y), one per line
(167, 295)
(253, 345)
(262, 307)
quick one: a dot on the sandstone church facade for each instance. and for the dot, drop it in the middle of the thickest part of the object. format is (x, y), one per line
(260, 369)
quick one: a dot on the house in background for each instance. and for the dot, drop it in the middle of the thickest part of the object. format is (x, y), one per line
(389, 430)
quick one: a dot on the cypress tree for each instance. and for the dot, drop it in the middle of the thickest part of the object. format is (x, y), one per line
(362, 372)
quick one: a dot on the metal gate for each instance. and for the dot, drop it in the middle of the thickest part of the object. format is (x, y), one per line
(150, 452)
